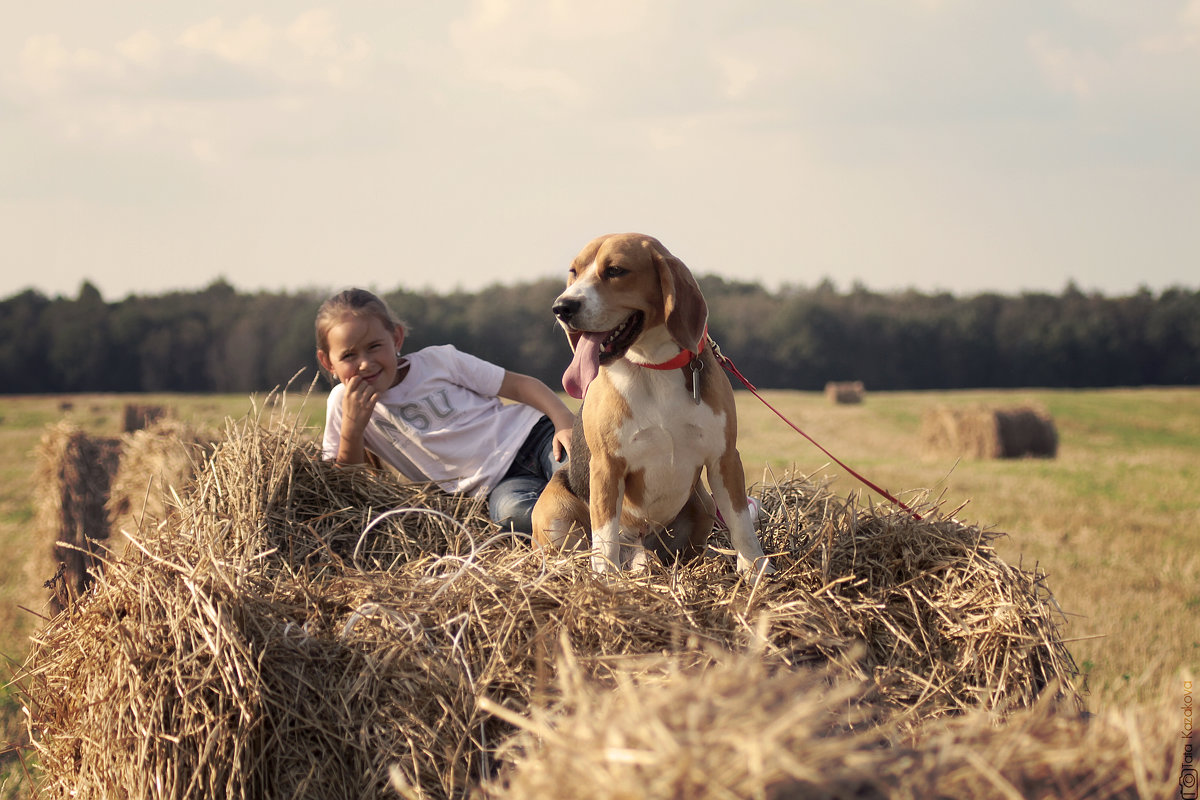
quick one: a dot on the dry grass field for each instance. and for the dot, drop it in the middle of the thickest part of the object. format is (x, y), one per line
(1114, 519)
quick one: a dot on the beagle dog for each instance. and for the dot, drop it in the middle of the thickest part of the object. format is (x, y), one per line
(657, 411)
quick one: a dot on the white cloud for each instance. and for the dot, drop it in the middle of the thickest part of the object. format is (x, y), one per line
(247, 42)
(737, 74)
(1065, 69)
(47, 66)
(204, 150)
(1176, 38)
(1134, 81)
(301, 53)
(169, 89)
(767, 65)
(1130, 45)
(314, 33)
(142, 48)
(311, 48)
(557, 22)
(881, 141)
(558, 55)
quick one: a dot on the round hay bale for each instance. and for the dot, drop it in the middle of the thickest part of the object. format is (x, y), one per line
(156, 465)
(73, 475)
(968, 433)
(140, 415)
(738, 729)
(985, 433)
(1026, 431)
(947, 624)
(844, 392)
(733, 729)
(303, 630)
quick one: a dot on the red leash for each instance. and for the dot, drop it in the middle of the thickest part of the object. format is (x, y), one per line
(733, 370)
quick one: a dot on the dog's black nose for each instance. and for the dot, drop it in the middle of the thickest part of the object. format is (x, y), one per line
(564, 309)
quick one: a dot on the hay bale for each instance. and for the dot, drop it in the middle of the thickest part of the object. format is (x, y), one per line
(967, 433)
(983, 432)
(284, 635)
(73, 475)
(734, 729)
(1047, 751)
(737, 729)
(844, 392)
(140, 415)
(156, 463)
(1027, 432)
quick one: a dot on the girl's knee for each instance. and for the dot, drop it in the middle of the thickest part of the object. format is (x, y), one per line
(513, 511)
(521, 522)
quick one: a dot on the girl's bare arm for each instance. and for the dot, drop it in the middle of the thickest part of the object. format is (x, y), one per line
(532, 392)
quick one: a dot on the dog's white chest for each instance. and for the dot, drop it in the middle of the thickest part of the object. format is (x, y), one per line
(667, 441)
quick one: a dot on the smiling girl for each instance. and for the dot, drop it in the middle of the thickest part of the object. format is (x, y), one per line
(436, 414)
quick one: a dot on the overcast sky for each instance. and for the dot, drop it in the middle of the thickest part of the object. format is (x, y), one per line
(962, 145)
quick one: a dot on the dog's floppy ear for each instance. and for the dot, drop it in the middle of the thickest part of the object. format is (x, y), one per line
(683, 305)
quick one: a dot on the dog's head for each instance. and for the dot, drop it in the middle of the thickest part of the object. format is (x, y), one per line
(621, 288)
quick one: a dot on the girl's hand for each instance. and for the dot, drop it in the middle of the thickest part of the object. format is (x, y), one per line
(562, 444)
(358, 403)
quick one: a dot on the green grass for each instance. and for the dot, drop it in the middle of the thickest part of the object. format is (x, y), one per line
(1114, 520)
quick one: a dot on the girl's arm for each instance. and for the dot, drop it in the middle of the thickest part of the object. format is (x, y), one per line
(532, 392)
(357, 404)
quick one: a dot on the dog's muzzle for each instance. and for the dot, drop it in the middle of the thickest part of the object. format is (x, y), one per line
(565, 309)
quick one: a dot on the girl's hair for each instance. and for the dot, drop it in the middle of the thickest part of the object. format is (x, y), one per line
(353, 303)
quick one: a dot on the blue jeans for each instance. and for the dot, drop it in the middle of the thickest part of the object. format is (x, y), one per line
(511, 501)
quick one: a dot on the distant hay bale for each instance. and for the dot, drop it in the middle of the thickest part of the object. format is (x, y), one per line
(844, 392)
(298, 629)
(984, 433)
(156, 463)
(1027, 432)
(140, 415)
(970, 433)
(73, 474)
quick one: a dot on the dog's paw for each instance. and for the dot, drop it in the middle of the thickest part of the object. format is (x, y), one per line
(602, 565)
(637, 559)
(760, 567)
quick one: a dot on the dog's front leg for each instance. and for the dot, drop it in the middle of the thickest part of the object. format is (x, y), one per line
(607, 495)
(728, 484)
(560, 517)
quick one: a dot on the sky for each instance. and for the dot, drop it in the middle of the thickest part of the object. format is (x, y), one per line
(940, 145)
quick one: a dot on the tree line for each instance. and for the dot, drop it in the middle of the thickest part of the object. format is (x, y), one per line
(221, 340)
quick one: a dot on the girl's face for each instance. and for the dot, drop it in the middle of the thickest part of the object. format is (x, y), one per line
(363, 347)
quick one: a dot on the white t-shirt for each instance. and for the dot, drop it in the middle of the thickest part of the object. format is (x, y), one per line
(443, 423)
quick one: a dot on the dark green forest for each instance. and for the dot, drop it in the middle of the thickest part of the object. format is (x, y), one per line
(221, 340)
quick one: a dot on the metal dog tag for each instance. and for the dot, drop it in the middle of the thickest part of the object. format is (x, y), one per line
(696, 366)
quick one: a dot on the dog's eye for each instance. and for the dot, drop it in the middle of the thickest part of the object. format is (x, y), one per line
(614, 272)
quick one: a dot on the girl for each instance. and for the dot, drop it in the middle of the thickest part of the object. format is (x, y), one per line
(435, 415)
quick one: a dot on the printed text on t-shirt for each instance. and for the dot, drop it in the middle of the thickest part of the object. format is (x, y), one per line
(422, 413)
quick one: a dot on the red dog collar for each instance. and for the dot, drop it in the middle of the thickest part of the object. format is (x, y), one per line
(682, 359)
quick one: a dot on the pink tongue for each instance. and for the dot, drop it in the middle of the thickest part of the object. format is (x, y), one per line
(585, 366)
